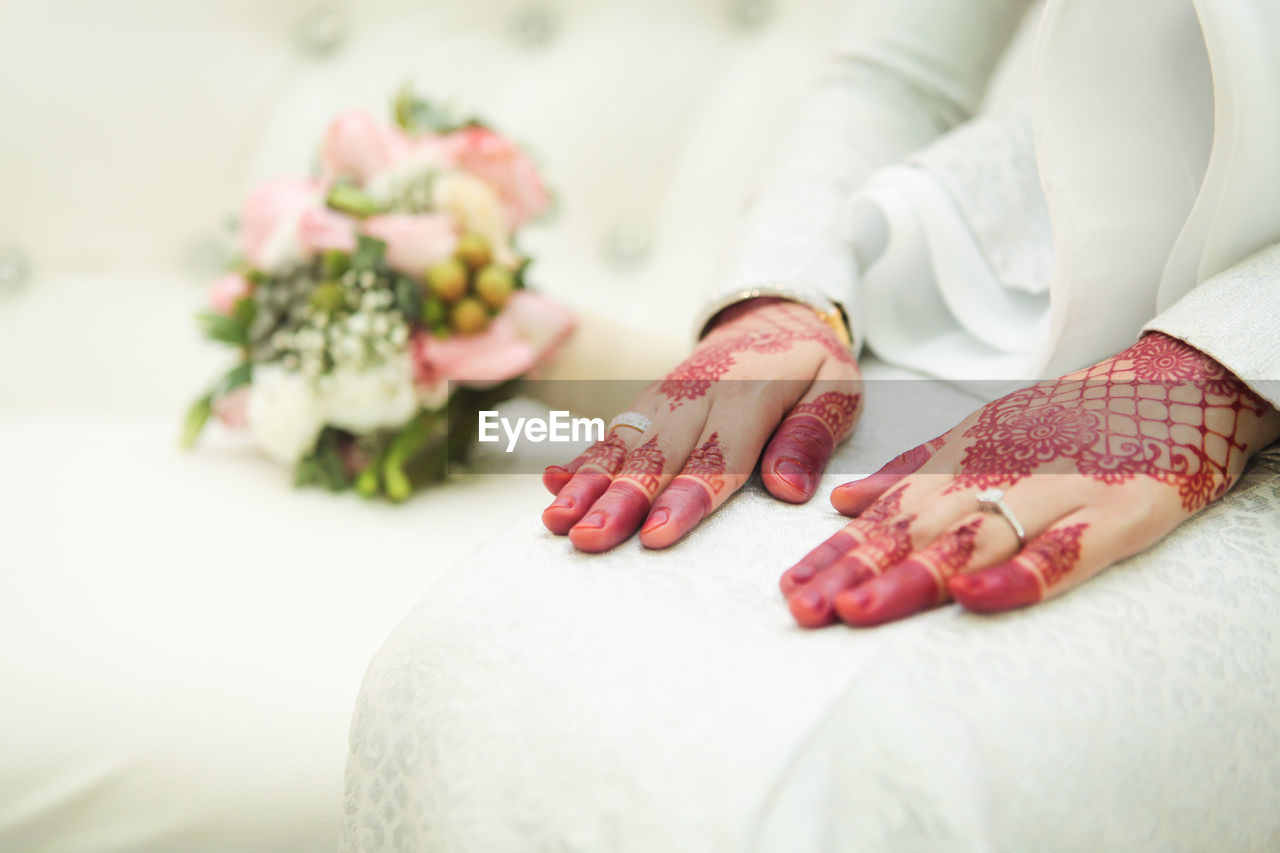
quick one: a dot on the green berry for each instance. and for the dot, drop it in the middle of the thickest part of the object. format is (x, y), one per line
(448, 279)
(470, 316)
(494, 285)
(474, 250)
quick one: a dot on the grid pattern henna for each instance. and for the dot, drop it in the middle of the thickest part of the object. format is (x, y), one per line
(1160, 409)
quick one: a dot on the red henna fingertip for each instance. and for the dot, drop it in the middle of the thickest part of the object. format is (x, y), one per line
(905, 589)
(658, 518)
(811, 609)
(612, 520)
(796, 475)
(993, 590)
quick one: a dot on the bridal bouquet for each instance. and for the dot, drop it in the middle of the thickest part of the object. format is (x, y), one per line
(380, 304)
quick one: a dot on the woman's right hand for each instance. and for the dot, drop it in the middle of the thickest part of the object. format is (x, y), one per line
(770, 376)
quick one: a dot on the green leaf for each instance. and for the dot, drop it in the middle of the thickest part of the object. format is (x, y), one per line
(434, 314)
(419, 115)
(522, 272)
(236, 377)
(323, 466)
(352, 200)
(244, 311)
(408, 295)
(197, 417)
(333, 263)
(198, 414)
(224, 329)
(368, 254)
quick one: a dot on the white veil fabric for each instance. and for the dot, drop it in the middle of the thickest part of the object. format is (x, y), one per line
(1147, 156)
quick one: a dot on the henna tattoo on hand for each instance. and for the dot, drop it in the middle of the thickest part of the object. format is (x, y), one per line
(774, 331)
(706, 465)
(644, 466)
(606, 455)
(1054, 553)
(951, 553)
(834, 410)
(888, 507)
(1160, 409)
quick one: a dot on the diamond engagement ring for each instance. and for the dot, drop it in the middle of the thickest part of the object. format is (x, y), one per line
(635, 420)
(992, 500)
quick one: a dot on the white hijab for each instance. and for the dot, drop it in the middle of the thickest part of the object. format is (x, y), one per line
(1154, 136)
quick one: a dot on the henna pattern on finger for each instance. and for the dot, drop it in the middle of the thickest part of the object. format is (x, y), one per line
(833, 409)
(886, 508)
(1160, 409)
(1054, 553)
(606, 455)
(644, 466)
(952, 553)
(706, 465)
(773, 332)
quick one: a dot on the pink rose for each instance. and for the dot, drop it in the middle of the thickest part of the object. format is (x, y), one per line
(503, 166)
(528, 330)
(320, 228)
(479, 361)
(267, 206)
(414, 242)
(226, 291)
(359, 146)
(543, 322)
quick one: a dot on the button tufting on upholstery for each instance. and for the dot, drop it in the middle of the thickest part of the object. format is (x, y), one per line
(750, 14)
(321, 32)
(534, 26)
(13, 270)
(627, 243)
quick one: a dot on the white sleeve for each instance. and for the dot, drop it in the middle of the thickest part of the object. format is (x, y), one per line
(1232, 318)
(903, 72)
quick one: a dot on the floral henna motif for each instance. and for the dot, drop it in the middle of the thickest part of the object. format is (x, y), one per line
(1013, 440)
(777, 332)
(706, 465)
(1054, 553)
(833, 409)
(606, 455)
(890, 546)
(952, 553)
(888, 507)
(644, 466)
(1159, 409)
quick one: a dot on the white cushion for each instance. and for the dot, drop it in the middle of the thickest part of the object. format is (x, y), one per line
(185, 633)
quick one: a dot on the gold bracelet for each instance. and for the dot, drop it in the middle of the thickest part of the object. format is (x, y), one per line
(835, 319)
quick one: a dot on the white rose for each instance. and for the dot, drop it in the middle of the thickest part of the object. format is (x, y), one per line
(364, 399)
(477, 208)
(284, 413)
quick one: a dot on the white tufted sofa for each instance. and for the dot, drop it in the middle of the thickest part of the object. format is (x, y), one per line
(184, 635)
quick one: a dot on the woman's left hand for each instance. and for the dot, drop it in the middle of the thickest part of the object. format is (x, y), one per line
(1096, 466)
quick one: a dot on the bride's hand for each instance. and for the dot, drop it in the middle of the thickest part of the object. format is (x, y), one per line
(708, 428)
(1122, 453)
